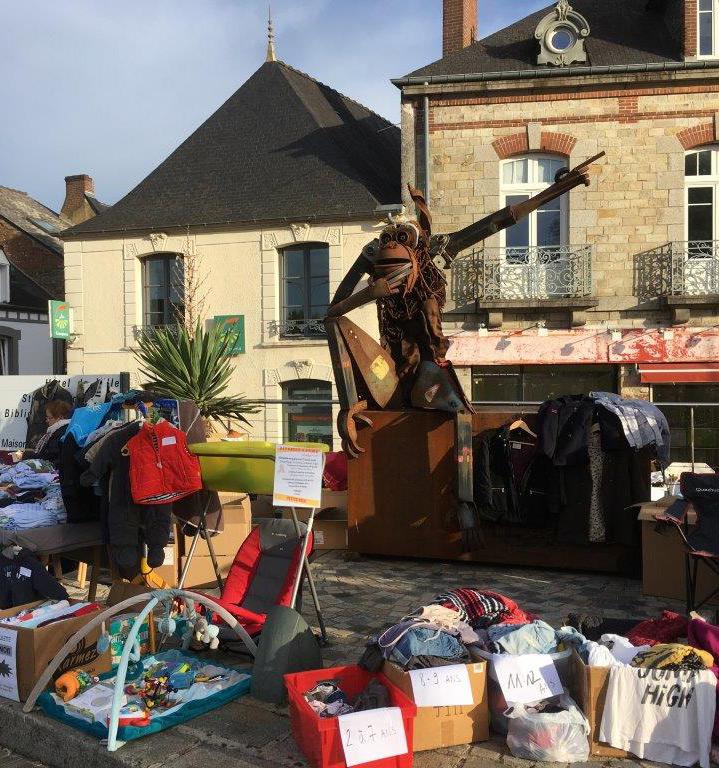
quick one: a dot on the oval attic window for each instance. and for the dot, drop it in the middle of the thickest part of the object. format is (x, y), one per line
(562, 39)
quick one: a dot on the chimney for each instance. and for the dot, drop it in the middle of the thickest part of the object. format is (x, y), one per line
(76, 207)
(459, 25)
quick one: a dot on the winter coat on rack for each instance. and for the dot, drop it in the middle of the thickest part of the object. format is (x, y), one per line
(512, 479)
(563, 428)
(127, 524)
(161, 467)
(36, 424)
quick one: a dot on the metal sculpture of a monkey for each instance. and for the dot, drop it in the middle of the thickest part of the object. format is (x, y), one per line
(408, 368)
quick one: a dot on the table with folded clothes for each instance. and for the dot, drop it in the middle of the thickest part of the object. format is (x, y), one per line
(30, 496)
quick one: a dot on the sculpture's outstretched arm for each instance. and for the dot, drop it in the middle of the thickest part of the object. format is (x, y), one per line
(448, 246)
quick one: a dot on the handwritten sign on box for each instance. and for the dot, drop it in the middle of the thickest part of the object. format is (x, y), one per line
(298, 477)
(372, 735)
(527, 678)
(442, 686)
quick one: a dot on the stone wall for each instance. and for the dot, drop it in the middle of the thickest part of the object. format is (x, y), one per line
(636, 201)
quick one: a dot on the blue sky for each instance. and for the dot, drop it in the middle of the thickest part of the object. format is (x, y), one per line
(111, 88)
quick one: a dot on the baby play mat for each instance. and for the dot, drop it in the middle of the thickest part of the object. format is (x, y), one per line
(197, 686)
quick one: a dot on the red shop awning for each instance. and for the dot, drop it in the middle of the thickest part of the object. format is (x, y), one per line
(679, 373)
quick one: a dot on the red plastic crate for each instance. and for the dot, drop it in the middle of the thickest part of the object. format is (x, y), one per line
(319, 737)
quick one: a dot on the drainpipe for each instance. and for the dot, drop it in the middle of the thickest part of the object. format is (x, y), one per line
(426, 149)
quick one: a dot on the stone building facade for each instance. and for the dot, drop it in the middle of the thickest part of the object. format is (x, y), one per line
(617, 285)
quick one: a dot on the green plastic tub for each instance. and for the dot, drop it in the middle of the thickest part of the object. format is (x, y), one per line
(244, 466)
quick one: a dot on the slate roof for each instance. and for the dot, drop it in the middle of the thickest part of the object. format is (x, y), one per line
(28, 215)
(96, 205)
(622, 32)
(282, 147)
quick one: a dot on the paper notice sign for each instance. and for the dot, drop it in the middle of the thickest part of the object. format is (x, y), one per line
(527, 678)
(442, 686)
(372, 735)
(8, 664)
(298, 477)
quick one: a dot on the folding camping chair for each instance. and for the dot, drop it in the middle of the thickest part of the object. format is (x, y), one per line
(701, 544)
(265, 573)
(248, 466)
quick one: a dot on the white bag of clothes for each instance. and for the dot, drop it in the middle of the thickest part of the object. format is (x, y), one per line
(551, 736)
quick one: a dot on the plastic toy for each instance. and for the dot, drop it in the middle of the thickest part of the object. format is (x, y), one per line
(134, 715)
(76, 681)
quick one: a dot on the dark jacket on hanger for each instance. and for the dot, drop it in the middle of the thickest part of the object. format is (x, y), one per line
(128, 525)
(51, 449)
(511, 477)
(36, 424)
(23, 579)
(81, 503)
(563, 428)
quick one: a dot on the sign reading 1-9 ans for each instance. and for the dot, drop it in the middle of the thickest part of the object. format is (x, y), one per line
(60, 319)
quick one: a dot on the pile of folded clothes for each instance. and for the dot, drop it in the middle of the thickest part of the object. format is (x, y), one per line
(30, 496)
(327, 699)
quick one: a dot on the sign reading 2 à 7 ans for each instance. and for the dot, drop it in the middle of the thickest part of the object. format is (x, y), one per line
(59, 319)
(234, 326)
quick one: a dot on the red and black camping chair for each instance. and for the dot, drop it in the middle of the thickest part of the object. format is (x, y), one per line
(701, 543)
(263, 573)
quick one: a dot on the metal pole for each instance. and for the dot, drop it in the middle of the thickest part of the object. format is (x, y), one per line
(426, 151)
(691, 433)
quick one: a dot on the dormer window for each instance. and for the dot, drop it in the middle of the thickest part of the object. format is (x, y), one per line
(707, 28)
(561, 36)
(4, 278)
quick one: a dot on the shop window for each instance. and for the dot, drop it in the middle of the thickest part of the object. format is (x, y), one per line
(545, 228)
(307, 411)
(305, 277)
(707, 28)
(701, 170)
(706, 420)
(163, 280)
(537, 383)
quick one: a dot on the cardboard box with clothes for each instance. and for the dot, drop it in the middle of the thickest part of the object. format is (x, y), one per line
(447, 726)
(26, 652)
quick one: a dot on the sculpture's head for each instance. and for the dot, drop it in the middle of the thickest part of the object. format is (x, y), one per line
(400, 244)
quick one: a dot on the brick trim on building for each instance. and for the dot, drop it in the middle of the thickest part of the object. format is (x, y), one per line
(697, 135)
(690, 28)
(516, 144)
(557, 143)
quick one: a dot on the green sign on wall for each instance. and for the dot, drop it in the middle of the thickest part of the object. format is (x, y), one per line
(59, 319)
(235, 328)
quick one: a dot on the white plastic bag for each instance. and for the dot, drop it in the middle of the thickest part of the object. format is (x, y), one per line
(559, 737)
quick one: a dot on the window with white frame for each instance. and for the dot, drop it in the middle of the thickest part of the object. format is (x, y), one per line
(707, 33)
(701, 171)
(520, 179)
(4, 278)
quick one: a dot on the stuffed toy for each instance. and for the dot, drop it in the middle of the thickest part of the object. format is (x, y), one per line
(206, 633)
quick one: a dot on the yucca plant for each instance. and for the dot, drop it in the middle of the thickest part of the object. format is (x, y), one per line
(193, 365)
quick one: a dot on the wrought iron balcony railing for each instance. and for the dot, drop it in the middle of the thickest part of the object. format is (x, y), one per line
(297, 329)
(689, 268)
(523, 274)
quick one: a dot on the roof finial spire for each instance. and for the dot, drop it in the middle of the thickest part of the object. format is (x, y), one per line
(271, 54)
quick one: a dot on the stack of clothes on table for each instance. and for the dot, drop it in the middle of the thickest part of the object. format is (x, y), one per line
(573, 469)
(30, 496)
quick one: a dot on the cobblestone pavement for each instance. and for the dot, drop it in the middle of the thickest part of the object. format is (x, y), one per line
(360, 595)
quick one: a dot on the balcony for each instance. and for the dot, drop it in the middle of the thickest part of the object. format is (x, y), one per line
(679, 275)
(296, 329)
(526, 279)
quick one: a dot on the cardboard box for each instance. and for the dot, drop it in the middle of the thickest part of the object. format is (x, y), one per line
(36, 648)
(590, 693)
(237, 517)
(201, 572)
(663, 570)
(436, 727)
(330, 527)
